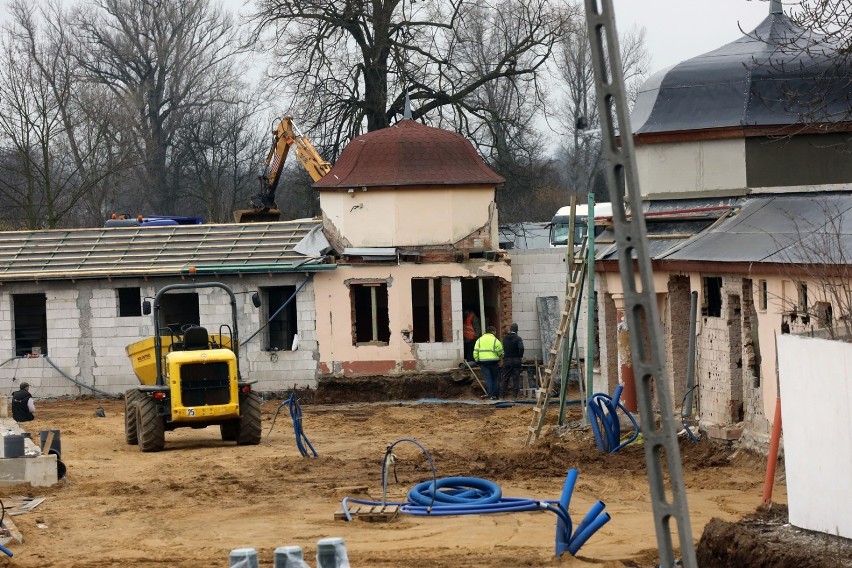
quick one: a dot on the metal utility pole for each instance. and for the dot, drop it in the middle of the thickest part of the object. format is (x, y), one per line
(641, 311)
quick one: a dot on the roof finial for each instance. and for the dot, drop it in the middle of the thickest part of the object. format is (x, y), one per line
(407, 112)
(775, 7)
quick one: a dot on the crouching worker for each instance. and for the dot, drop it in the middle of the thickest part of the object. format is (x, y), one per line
(23, 407)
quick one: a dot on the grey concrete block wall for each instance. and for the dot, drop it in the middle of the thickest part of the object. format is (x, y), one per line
(537, 273)
(87, 337)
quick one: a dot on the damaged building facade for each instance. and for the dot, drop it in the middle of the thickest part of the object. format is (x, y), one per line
(407, 240)
(744, 207)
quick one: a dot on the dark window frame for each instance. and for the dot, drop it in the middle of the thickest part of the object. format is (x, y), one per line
(30, 323)
(129, 303)
(712, 296)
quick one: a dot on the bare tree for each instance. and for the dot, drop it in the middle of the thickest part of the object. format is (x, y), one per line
(162, 60)
(221, 148)
(347, 66)
(816, 257)
(55, 152)
(808, 72)
(581, 151)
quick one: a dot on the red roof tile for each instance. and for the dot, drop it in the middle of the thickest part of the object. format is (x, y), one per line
(408, 153)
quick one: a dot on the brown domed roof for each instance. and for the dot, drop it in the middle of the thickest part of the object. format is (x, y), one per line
(408, 153)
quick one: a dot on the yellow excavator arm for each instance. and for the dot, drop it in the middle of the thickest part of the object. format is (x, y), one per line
(284, 136)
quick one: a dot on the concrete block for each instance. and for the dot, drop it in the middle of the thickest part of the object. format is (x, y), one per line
(39, 471)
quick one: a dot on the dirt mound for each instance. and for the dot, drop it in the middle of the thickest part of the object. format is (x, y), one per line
(766, 539)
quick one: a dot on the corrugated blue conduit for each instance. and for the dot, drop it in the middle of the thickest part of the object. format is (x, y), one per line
(302, 441)
(475, 496)
(604, 421)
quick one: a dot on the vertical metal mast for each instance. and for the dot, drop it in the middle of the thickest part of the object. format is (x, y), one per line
(640, 305)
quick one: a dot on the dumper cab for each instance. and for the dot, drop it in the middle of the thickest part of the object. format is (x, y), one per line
(189, 377)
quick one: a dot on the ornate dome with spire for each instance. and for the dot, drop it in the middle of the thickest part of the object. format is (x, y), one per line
(777, 74)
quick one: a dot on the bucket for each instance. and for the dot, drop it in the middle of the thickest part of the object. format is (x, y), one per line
(243, 558)
(13, 446)
(55, 446)
(331, 553)
(288, 557)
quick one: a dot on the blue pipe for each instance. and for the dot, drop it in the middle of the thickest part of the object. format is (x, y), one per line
(593, 513)
(479, 492)
(295, 408)
(580, 539)
(604, 421)
(563, 523)
(6, 551)
(471, 495)
(296, 415)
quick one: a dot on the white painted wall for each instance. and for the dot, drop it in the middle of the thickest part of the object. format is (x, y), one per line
(410, 217)
(816, 411)
(680, 167)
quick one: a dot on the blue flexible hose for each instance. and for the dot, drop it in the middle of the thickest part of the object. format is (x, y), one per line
(302, 441)
(295, 408)
(6, 551)
(475, 496)
(604, 421)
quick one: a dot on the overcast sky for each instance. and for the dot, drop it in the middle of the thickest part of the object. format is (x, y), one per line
(677, 30)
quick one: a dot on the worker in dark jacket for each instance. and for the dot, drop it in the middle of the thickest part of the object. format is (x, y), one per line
(513, 355)
(23, 408)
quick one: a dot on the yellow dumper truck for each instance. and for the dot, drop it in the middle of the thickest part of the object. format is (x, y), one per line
(190, 377)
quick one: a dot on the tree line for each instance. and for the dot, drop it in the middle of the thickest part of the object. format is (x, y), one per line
(161, 106)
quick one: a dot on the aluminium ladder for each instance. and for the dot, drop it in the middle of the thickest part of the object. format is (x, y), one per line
(576, 270)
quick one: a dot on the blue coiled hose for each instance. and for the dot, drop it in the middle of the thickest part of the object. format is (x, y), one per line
(475, 496)
(295, 408)
(604, 421)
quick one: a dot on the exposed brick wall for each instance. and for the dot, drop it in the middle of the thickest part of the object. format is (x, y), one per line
(720, 365)
(505, 293)
(446, 309)
(676, 327)
(607, 325)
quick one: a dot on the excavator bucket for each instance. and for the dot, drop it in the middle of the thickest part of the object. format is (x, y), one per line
(257, 215)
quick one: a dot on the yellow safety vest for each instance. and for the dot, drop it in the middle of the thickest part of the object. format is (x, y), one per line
(482, 351)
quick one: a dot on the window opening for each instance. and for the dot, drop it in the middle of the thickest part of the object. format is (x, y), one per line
(370, 321)
(426, 312)
(283, 329)
(763, 301)
(30, 313)
(712, 296)
(129, 302)
(179, 310)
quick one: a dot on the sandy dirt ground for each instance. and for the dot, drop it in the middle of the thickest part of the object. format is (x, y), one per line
(192, 503)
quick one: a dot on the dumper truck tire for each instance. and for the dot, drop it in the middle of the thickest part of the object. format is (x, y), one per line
(250, 427)
(131, 398)
(150, 426)
(229, 430)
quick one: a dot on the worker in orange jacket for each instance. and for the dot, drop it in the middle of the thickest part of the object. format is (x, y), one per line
(470, 332)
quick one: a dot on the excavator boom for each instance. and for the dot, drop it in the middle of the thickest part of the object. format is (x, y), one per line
(284, 136)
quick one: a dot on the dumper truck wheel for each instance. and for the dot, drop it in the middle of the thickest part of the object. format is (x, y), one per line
(250, 427)
(151, 428)
(131, 397)
(229, 430)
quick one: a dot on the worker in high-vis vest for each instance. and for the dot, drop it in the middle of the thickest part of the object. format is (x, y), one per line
(487, 352)
(470, 332)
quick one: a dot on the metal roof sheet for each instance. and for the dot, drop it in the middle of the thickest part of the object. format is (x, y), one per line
(789, 228)
(767, 77)
(117, 252)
